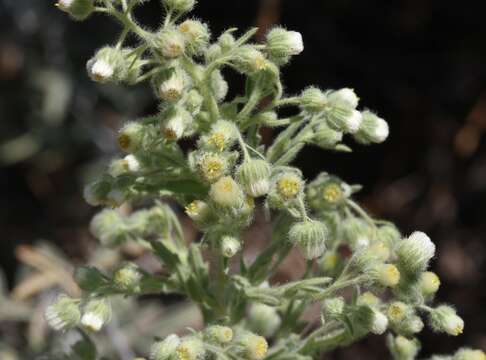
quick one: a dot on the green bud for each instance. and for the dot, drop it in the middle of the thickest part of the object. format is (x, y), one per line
(226, 41)
(469, 354)
(357, 233)
(310, 237)
(230, 246)
(325, 137)
(96, 313)
(373, 129)
(282, 44)
(63, 314)
(345, 119)
(345, 97)
(379, 324)
(130, 138)
(219, 86)
(264, 320)
(212, 53)
(388, 234)
(127, 278)
(109, 227)
(109, 64)
(227, 193)
(411, 325)
(172, 88)
(170, 42)
(386, 275)
(166, 349)
(254, 175)
(444, 319)
(249, 60)
(180, 6)
(219, 334)
(429, 283)
(254, 347)
(190, 348)
(414, 253)
(129, 164)
(333, 308)
(313, 100)
(77, 9)
(398, 311)
(175, 126)
(403, 348)
(198, 211)
(96, 192)
(196, 34)
(193, 102)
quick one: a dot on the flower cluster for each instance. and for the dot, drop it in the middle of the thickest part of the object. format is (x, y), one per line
(221, 177)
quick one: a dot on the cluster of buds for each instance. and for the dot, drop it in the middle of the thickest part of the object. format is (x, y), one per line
(205, 151)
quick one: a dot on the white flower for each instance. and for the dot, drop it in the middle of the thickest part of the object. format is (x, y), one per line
(380, 323)
(346, 96)
(174, 128)
(353, 122)
(101, 70)
(132, 163)
(381, 130)
(296, 44)
(92, 321)
(65, 4)
(172, 88)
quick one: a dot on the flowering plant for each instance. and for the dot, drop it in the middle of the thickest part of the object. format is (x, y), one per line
(221, 180)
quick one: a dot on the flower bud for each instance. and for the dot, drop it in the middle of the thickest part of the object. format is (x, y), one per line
(108, 64)
(175, 126)
(368, 298)
(198, 211)
(230, 246)
(332, 308)
(173, 88)
(381, 250)
(190, 348)
(398, 311)
(403, 348)
(469, 354)
(129, 164)
(180, 6)
(212, 166)
(254, 176)
(388, 234)
(329, 262)
(193, 102)
(63, 314)
(429, 283)
(109, 227)
(196, 34)
(249, 60)
(95, 193)
(222, 136)
(264, 320)
(96, 313)
(313, 100)
(212, 53)
(346, 97)
(77, 9)
(444, 319)
(166, 349)
(325, 137)
(226, 192)
(380, 323)
(373, 129)
(226, 41)
(357, 233)
(387, 275)
(411, 325)
(127, 278)
(344, 119)
(219, 85)
(282, 44)
(254, 347)
(130, 138)
(415, 252)
(219, 334)
(310, 237)
(171, 43)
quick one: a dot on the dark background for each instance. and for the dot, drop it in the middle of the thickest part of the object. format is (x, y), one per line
(421, 64)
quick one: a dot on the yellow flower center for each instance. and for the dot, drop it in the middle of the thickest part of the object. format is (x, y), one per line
(227, 335)
(261, 348)
(218, 140)
(396, 312)
(332, 193)
(183, 353)
(260, 63)
(169, 134)
(288, 187)
(212, 168)
(192, 209)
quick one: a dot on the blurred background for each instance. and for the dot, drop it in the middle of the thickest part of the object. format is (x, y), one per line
(421, 64)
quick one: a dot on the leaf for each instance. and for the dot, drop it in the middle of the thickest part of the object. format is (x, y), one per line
(169, 258)
(90, 279)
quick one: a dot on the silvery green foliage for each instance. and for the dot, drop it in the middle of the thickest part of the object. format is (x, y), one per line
(217, 183)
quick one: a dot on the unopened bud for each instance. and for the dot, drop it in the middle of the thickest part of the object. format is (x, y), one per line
(198, 211)
(387, 275)
(196, 34)
(166, 349)
(254, 175)
(129, 164)
(313, 100)
(219, 334)
(254, 347)
(332, 308)
(173, 88)
(109, 227)
(345, 96)
(282, 44)
(96, 313)
(77, 9)
(219, 85)
(380, 323)
(403, 348)
(180, 6)
(230, 246)
(373, 129)
(444, 319)
(249, 60)
(429, 283)
(190, 348)
(345, 119)
(63, 314)
(415, 252)
(171, 43)
(130, 138)
(469, 354)
(264, 320)
(310, 237)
